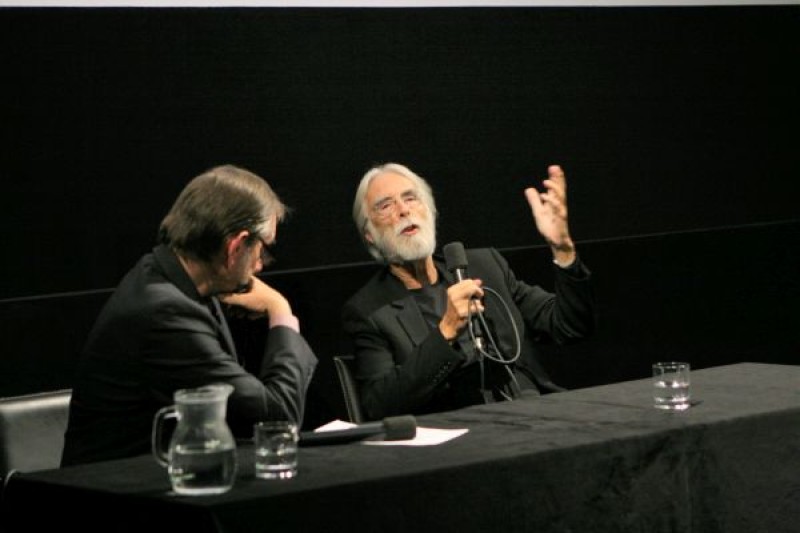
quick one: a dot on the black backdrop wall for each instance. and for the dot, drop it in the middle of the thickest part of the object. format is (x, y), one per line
(676, 126)
(665, 119)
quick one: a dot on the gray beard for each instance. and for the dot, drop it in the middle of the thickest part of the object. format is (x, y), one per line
(398, 249)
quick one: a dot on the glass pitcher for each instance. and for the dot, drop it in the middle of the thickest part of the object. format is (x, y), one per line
(201, 457)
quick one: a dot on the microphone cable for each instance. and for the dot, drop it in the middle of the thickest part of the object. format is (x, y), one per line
(456, 262)
(497, 356)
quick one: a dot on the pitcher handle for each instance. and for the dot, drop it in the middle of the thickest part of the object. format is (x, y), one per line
(157, 440)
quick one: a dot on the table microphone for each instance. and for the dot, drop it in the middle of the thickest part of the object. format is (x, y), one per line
(392, 428)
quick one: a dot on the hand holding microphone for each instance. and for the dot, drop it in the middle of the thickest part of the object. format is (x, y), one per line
(462, 303)
(463, 297)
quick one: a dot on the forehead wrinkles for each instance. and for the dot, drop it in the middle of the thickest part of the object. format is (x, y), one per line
(388, 185)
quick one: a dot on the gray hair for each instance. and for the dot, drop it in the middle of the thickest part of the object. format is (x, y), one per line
(361, 210)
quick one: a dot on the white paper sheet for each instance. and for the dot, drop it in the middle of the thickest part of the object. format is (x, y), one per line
(424, 437)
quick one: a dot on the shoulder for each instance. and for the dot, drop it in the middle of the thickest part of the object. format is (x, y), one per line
(474, 255)
(372, 292)
(482, 254)
(147, 294)
(486, 258)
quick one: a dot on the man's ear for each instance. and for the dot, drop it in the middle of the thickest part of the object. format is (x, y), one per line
(235, 246)
(368, 237)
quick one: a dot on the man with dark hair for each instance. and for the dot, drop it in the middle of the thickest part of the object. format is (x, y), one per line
(163, 328)
(415, 349)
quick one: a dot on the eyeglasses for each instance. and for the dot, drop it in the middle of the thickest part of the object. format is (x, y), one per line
(387, 207)
(266, 257)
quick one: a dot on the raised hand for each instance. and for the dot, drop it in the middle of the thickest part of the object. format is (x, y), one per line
(550, 214)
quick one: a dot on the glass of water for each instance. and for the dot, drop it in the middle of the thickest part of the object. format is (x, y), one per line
(671, 385)
(276, 449)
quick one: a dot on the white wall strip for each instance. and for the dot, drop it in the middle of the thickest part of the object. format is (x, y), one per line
(384, 3)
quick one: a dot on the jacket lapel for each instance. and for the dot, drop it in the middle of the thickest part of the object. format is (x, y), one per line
(411, 320)
(227, 337)
(407, 312)
(173, 270)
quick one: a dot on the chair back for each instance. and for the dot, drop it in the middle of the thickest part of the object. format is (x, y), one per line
(32, 430)
(344, 369)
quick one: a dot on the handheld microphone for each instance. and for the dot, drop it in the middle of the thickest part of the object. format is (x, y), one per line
(392, 428)
(456, 260)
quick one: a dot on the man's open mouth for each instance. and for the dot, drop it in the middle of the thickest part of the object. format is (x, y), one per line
(411, 229)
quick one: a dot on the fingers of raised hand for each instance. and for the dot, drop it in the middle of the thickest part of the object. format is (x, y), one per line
(556, 182)
(532, 195)
(555, 173)
(555, 205)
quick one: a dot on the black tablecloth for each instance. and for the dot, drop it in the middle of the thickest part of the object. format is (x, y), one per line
(591, 460)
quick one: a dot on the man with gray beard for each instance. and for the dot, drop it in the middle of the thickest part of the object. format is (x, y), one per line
(408, 324)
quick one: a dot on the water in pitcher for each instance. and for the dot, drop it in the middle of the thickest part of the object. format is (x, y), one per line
(201, 456)
(202, 471)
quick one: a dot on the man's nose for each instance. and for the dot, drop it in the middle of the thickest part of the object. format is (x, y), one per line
(403, 209)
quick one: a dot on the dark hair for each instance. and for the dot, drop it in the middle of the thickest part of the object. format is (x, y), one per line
(216, 204)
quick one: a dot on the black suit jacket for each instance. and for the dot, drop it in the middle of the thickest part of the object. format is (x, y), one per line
(156, 335)
(406, 366)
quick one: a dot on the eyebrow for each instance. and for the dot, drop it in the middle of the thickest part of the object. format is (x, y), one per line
(404, 193)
